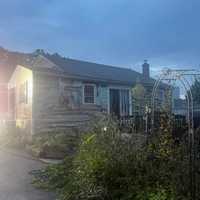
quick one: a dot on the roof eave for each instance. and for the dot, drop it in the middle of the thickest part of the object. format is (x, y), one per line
(84, 78)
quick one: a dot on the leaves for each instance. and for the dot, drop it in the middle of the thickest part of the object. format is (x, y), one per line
(107, 167)
(195, 88)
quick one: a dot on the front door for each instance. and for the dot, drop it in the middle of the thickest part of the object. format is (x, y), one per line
(115, 102)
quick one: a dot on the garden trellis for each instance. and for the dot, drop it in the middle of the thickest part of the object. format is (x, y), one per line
(181, 76)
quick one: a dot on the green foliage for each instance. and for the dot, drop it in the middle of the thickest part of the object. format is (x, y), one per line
(140, 98)
(109, 167)
(160, 194)
(53, 145)
(139, 91)
(54, 177)
(195, 88)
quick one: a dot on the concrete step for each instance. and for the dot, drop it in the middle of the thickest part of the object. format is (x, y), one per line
(64, 127)
(50, 129)
(57, 123)
(85, 108)
(62, 118)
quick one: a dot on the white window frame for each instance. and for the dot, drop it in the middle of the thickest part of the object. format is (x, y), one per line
(95, 92)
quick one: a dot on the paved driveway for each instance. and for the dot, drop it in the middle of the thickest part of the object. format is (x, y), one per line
(15, 181)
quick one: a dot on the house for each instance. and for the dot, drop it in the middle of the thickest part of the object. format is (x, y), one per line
(55, 93)
(4, 97)
(8, 62)
(4, 101)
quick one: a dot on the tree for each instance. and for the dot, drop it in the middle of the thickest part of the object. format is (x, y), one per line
(139, 94)
(195, 88)
(39, 52)
(139, 91)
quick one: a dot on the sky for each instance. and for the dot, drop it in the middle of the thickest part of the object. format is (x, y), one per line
(115, 32)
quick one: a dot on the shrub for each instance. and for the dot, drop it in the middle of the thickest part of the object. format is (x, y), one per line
(107, 167)
(53, 145)
(53, 177)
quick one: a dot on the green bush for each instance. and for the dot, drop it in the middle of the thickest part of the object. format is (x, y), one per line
(107, 167)
(53, 145)
(53, 177)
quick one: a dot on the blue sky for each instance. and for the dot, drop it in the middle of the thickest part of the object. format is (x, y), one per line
(116, 32)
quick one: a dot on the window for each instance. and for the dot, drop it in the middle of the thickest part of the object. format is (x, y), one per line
(119, 102)
(89, 94)
(124, 102)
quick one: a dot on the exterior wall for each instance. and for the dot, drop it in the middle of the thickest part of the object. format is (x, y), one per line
(3, 101)
(46, 94)
(22, 85)
(59, 106)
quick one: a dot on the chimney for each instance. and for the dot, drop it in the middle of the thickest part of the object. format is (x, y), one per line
(146, 70)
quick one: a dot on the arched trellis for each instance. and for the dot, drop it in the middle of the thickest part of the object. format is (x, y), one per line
(181, 76)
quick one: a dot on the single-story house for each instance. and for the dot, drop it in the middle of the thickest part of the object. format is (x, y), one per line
(3, 90)
(4, 99)
(51, 92)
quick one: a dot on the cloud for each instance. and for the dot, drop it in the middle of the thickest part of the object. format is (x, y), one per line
(114, 32)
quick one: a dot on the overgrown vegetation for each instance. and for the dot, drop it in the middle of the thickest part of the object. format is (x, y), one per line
(47, 145)
(109, 167)
(195, 88)
(53, 145)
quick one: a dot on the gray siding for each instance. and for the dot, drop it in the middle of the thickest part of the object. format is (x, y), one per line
(58, 105)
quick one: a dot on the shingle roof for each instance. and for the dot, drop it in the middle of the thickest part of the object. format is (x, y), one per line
(94, 70)
(75, 68)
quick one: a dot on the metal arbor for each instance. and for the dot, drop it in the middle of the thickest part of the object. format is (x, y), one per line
(181, 77)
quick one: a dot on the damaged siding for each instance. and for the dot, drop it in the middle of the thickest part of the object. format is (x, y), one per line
(58, 105)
